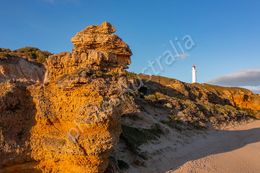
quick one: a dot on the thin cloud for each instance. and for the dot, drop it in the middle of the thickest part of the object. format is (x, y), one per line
(242, 78)
(248, 79)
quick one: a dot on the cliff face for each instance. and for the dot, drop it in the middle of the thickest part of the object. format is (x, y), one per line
(202, 102)
(239, 97)
(20, 69)
(72, 121)
(16, 120)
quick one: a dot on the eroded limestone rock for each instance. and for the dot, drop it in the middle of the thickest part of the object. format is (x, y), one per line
(74, 119)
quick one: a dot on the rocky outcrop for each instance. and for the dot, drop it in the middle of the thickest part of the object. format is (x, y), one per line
(202, 102)
(239, 97)
(80, 121)
(74, 118)
(95, 48)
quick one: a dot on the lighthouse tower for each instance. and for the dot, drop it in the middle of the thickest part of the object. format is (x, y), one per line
(194, 74)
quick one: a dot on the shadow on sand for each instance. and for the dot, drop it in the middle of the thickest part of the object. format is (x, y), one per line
(215, 142)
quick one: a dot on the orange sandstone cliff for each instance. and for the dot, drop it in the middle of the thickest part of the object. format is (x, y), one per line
(67, 120)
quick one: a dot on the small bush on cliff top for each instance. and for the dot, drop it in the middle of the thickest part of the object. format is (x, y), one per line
(131, 75)
(30, 53)
(251, 113)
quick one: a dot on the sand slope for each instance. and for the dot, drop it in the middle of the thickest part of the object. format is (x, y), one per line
(230, 150)
(237, 151)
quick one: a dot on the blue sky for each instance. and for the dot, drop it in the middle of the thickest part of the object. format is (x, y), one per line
(226, 33)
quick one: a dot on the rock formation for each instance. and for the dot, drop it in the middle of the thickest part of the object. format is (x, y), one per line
(72, 122)
(239, 97)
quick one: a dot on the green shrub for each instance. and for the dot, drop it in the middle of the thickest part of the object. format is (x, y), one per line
(135, 137)
(30, 53)
(131, 75)
(180, 125)
(151, 98)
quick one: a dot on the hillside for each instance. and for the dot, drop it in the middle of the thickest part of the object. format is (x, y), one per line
(29, 53)
(170, 112)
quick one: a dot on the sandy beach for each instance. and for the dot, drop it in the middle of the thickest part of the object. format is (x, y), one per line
(234, 149)
(237, 151)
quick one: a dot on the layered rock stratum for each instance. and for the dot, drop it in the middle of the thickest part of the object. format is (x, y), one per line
(20, 69)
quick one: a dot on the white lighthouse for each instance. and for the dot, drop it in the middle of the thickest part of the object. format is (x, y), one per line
(194, 74)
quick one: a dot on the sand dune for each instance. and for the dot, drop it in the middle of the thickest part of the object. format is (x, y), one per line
(235, 150)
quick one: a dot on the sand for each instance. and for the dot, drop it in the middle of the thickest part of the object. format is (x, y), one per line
(230, 150)
(238, 152)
